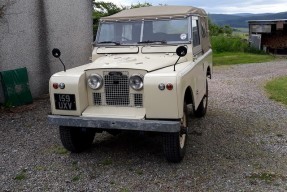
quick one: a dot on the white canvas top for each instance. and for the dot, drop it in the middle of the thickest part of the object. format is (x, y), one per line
(156, 12)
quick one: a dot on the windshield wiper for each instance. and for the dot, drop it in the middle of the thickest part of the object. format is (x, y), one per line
(150, 41)
(114, 42)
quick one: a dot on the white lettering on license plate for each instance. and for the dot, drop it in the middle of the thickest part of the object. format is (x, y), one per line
(65, 101)
(64, 105)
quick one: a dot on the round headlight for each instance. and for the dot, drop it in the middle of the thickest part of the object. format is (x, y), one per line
(95, 81)
(136, 82)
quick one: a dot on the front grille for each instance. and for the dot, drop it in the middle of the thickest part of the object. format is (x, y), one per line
(116, 86)
(97, 98)
(138, 100)
(135, 100)
(117, 91)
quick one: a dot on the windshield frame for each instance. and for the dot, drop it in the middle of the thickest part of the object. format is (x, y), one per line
(143, 42)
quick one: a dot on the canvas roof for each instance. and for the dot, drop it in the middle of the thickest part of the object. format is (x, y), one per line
(156, 11)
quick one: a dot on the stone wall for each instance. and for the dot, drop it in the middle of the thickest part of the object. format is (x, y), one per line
(30, 29)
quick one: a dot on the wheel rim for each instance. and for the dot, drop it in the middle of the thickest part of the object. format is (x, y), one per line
(182, 136)
(182, 140)
(205, 96)
(204, 101)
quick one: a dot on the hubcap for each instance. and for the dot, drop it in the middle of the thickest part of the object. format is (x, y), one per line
(182, 140)
(204, 101)
(182, 136)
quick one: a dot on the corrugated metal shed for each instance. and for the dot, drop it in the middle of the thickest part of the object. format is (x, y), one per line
(273, 35)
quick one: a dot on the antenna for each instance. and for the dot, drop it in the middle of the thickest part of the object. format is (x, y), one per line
(57, 53)
(181, 51)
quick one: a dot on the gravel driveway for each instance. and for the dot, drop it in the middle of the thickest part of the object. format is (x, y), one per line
(241, 145)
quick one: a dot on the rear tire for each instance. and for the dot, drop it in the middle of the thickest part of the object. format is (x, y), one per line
(114, 132)
(174, 144)
(76, 139)
(202, 108)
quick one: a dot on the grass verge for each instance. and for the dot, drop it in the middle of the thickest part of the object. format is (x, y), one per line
(21, 176)
(230, 58)
(277, 89)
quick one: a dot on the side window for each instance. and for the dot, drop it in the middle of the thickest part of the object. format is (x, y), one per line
(203, 28)
(170, 26)
(195, 33)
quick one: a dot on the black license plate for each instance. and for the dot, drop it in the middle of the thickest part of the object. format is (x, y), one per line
(65, 101)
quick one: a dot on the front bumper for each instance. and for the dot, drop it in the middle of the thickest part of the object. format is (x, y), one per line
(119, 124)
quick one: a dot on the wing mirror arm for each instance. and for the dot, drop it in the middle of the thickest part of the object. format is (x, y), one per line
(181, 51)
(57, 53)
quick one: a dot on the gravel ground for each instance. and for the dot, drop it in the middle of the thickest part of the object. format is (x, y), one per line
(241, 145)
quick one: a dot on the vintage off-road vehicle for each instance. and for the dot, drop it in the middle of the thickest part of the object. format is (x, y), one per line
(147, 65)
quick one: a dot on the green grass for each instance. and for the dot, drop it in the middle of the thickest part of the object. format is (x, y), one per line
(107, 162)
(124, 190)
(75, 165)
(60, 150)
(277, 89)
(139, 172)
(76, 178)
(230, 58)
(267, 177)
(21, 175)
(229, 50)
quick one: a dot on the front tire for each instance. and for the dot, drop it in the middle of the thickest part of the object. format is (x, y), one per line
(76, 139)
(202, 108)
(174, 144)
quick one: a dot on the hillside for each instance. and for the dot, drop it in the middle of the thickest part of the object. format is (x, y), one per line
(241, 20)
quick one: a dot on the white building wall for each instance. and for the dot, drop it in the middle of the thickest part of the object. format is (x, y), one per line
(30, 29)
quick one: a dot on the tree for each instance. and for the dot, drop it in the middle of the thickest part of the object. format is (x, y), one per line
(104, 9)
(216, 30)
(138, 5)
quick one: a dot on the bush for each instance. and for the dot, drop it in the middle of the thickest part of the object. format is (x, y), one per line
(223, 43)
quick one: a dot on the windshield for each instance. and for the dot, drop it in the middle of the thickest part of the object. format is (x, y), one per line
(141, 32)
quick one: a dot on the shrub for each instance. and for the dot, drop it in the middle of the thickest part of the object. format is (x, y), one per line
(223, 43)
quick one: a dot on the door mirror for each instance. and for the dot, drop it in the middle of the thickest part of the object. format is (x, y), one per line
(56, 53)
(181, 51)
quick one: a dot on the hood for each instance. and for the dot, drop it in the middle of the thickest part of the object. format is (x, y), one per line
(147, 62)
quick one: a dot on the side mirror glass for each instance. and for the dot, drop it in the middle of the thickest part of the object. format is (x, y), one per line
(181, 51)
(56, 53)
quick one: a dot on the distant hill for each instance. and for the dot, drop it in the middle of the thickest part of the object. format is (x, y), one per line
(241, 20)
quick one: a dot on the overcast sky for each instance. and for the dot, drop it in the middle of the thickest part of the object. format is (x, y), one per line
(221, 6)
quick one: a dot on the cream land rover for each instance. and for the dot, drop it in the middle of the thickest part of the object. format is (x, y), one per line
(147, 65)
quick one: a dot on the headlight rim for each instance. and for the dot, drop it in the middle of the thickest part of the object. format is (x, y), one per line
(142, 82)
(100, 78)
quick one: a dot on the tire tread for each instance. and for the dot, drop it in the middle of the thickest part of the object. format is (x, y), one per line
(75, 140)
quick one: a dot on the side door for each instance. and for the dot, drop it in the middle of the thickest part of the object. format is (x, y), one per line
(197, 53)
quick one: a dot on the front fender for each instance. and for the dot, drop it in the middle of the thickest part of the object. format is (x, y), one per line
(75, 83)
(160, 104)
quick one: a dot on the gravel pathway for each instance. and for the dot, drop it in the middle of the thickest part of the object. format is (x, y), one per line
(241, 145)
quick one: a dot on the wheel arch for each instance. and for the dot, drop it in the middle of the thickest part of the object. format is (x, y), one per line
(188, 96)
(208, 72)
